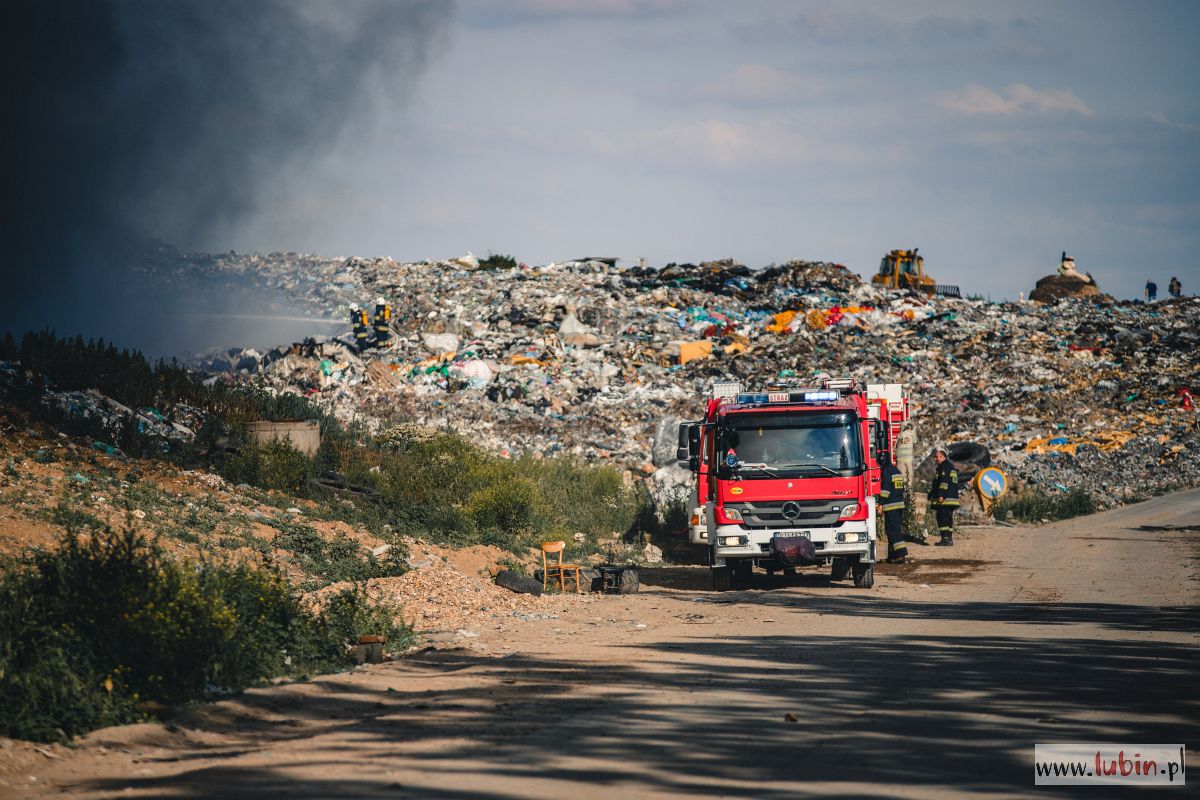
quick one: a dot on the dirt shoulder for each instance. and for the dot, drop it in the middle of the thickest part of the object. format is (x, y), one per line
(936, 683)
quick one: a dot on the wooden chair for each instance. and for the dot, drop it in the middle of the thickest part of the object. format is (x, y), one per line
(550, 568)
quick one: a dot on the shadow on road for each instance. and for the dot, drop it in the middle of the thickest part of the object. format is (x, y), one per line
(898, 711)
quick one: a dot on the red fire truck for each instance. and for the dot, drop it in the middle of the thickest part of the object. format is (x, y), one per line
(787, 477)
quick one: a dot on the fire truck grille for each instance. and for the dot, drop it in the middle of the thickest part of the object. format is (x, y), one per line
(772, 514)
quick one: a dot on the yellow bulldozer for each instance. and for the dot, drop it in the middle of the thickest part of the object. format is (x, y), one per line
(905, 269)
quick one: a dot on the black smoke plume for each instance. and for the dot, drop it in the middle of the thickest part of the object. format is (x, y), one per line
(132, 120)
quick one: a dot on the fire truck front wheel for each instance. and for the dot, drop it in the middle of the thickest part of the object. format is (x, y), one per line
(742, 570)
(864, 575)
(841, 568)
(722, 579)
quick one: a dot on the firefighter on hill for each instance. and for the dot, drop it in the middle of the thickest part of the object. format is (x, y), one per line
(383, 322)
(892, 495)
(362, 326)
(943, 495)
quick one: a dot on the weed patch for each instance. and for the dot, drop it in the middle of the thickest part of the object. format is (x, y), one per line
(92, 631)
(1038, 505)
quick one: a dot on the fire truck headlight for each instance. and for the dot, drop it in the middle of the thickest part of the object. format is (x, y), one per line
(733, 541)
(733, 514)
(849, 511)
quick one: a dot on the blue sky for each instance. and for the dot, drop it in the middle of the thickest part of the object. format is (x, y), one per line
(991, 135)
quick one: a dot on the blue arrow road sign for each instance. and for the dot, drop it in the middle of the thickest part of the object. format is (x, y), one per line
(992, 482)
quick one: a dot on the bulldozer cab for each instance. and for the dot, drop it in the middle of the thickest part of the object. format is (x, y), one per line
(905, 269)
(901, 269)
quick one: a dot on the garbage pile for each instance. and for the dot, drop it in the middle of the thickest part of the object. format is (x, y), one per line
(1053, 288)
(590, 360)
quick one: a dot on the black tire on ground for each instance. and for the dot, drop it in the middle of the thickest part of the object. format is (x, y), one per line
(971, 453)
(743, 569)
(864, 575)
(516, 582)
(840, 569)
(722, 579)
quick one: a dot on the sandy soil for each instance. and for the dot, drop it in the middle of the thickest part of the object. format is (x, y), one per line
(937, 683)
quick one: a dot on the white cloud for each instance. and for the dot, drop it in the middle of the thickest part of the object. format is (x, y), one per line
(1161, 119)
(1016, 98)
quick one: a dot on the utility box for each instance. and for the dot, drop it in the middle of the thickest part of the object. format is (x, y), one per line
(305, 436)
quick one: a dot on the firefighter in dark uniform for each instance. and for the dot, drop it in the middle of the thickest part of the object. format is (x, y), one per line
(943, 496)
(383, 322)
(891, 497)
(362, 326)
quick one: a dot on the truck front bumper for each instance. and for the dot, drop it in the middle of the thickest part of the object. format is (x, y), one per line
(851, 538)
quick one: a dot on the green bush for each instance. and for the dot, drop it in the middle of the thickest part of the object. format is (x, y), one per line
(497, 261)
(275, 465)
(512, 506)
(93, 630)
(338, 559)
(1038, 505)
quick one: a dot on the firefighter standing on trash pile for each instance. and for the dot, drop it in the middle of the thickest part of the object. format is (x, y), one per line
(892, 495)
(383, 322)
(943, 495)
(1175, 288)
(362, 326)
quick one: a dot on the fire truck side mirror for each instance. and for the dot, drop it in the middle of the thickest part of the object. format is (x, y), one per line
(689, 445)
(682, 452)
(880, 434)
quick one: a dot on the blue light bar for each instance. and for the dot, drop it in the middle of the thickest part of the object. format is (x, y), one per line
(818, 397)
(752, 398)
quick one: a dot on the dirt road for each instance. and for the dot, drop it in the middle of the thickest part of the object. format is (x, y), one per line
(935, 684)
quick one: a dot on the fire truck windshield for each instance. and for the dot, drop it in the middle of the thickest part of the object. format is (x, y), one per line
(764, 445)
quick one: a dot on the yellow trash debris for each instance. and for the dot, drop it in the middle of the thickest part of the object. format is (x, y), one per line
(1103, 441)
(690, 351)
(782, 321)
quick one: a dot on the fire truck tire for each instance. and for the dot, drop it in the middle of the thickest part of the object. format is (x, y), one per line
(742, 572)
(841, 568)
(864, 576)
(722, 579)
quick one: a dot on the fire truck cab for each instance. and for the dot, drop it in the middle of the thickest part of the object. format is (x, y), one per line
(787, 477)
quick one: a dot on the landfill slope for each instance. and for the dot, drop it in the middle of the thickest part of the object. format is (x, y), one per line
(589, 360)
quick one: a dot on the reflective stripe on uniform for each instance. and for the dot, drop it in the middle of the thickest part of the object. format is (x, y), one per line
(892, 507)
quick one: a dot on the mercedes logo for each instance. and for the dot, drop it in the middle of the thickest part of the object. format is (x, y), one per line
(791, 510)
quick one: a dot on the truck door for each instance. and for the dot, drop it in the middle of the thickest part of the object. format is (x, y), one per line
(874, 429)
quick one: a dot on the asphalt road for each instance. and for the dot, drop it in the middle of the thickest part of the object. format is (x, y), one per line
(937, 683)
